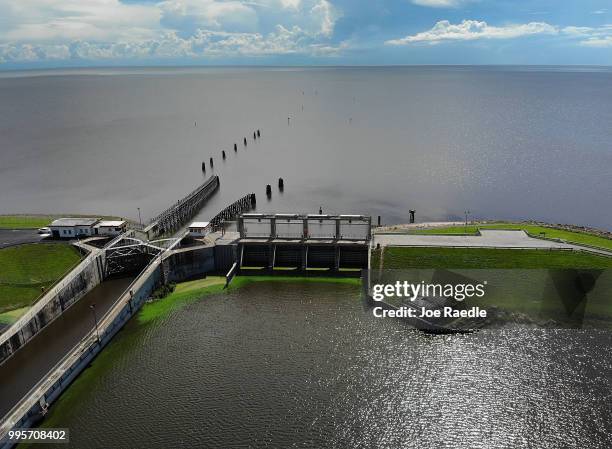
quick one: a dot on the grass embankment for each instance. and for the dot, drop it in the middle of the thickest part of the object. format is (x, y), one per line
(187, 292)
(580, 238)
(523, 291)
(26, 270)
(39, 221)
(485, 258)
(25, 221)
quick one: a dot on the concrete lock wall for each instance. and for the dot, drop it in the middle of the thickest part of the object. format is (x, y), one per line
(89, 274)
(84, 357)
(189, 264)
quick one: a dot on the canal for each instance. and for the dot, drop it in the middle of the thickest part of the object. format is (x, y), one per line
(22, 371)
(295, 364)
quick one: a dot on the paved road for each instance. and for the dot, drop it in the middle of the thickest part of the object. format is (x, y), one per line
(10, 237)
(488, 239)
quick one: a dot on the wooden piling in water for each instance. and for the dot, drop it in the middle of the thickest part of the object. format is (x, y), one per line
(211, 162)
(235, 147)
(245, 142)
(223, 154)
(204, 166)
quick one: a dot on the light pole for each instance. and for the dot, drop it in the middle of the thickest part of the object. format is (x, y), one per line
(467, 212)
(139, 219)
(95, 317)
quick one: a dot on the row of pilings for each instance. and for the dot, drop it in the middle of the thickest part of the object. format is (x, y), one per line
(211, 161)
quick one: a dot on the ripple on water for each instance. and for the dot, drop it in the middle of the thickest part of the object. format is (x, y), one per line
(303, 365)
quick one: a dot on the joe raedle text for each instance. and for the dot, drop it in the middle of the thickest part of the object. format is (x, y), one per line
(410, 292)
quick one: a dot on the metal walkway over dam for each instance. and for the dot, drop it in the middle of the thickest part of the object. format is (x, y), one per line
(153, 256)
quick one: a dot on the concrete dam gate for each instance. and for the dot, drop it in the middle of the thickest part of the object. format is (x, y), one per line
(303, 243)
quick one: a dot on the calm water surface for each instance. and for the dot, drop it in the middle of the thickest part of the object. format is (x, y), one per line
(510, 143)
(304, 365)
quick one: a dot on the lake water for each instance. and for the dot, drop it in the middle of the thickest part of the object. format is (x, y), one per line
(507, 143)
(296, 365)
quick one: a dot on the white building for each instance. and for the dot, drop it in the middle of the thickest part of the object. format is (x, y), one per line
(115, 227)
(198, 228)
(67, 228)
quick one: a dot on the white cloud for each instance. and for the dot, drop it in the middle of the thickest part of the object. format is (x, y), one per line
(187, 16)
(323, 13)
(47, 20)
(472, 30)
(438, 3)
(294, 4)
(597, 42)
(36, 30)
(202, 44)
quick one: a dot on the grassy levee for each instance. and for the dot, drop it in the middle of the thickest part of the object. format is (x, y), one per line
(580, 238)
(522, 288)
(486, 258)
(38, 221)
(25, 221)
(27, 270)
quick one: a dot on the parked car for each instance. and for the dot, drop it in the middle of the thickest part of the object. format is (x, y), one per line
(44, 231)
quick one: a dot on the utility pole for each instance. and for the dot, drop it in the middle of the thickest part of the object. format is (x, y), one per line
(467, 212)
(95, 317)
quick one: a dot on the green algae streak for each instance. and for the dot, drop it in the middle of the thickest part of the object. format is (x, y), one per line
(184, 293)
(187, 292)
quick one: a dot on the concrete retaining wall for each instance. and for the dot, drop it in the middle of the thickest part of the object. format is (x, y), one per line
(77, 283)
(189, 264)
(47, 391)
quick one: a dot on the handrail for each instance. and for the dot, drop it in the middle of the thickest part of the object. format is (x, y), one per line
(42, 302)
(8, 421)
(193, 193)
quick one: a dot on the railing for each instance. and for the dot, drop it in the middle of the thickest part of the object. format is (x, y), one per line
(245, 203)
(84, 345)
(49, 295)
(184, 206)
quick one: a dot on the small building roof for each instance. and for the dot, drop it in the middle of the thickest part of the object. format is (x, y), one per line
(199, 224)
(111, 223)
(71, 222)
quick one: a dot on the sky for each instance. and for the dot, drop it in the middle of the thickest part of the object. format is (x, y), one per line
(67, 33)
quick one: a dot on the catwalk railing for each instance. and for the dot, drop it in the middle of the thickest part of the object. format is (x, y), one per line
(244, 204)
(179, 213)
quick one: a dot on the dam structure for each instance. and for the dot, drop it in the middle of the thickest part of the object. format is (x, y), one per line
(303, 243)
(34, 375)
(155, 255)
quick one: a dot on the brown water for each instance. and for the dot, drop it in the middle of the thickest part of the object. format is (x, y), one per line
(32, 362)
(508, 143)
(305, 365)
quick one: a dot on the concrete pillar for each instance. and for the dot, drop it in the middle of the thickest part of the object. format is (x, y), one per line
(337, 220)
(271, 257)
(304, 257)
(241, 227)
(305, 234)
(273, 227)
(337, 258)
